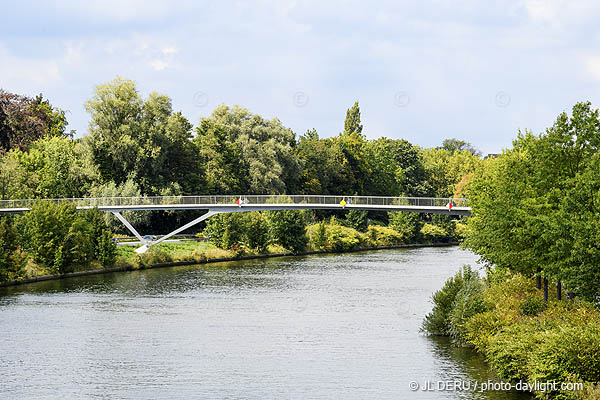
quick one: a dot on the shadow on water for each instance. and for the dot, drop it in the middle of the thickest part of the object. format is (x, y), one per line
(465, 365)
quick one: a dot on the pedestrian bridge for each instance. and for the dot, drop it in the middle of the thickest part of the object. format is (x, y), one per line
(242, 203)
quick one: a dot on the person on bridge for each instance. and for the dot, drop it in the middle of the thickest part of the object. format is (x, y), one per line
(450, 205)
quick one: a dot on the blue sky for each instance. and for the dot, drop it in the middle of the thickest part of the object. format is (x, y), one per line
(423, 71)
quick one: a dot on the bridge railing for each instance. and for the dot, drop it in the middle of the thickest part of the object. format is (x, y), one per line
(243, 199)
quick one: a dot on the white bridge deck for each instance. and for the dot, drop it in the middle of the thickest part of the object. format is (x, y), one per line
(242, 203)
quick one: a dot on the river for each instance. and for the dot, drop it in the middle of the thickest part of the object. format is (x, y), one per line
(340, 326)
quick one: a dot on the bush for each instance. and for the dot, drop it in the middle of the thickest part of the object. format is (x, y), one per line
(8, 247)
(333, 237)
(509, 351)
(566, 354)
(357, 219)
(467, 303)
(408, 224)
(461, 230)
(433, 233)
(256, 231)
(532, 305)
(481, 328)
(382, 236)
(288, 228)
(439, 321)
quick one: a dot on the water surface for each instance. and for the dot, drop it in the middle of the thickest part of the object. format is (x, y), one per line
(319, 327)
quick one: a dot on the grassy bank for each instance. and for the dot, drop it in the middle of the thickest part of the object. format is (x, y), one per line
(523, 338)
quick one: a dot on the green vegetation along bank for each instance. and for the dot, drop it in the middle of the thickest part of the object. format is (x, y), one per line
(535, 224)
(55, 239)
(523, 338)
(138, 146)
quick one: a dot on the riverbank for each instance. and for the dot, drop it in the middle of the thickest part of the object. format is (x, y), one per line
(140, 264)
(524, 339)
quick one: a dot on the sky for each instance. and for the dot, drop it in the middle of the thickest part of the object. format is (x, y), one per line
(421, 70)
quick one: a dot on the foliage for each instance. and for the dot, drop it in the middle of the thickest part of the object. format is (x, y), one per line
(255, 154)
(453, 145)
(142, 139)
(333, 236)
(24, 120)
(357, 219)
(442, 320)
(433, 233)
(256, 231)
(383, 236)
(535, 208)
(288, 228)
(445, 169)
(408, 224)
(9, 265)
(56, 236)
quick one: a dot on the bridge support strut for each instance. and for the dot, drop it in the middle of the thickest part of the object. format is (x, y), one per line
(128, 225)
(147, 245)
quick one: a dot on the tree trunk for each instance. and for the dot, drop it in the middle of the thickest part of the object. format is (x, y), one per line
(545, 289)
(559, 290)
(538, 282)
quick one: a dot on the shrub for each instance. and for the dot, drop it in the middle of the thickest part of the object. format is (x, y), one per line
(333, 236)
(481, 328)
(56, 236)
(509, 351)
(408, 224)
(532, 305)
(467, 303)
(438, 321)
(256, 231)
(357, 219)
(8, 247)
(382, 236)
(288, 228)
(567, 353)
(433, 233)
(461, 230)
(224, 230)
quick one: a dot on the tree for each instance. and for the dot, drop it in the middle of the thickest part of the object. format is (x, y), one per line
(325, 168)
(288, 228)
(453, 145)
(395, 168)
(352, 141)
(24, 120)
(534, 208)
(445, 169)
(266, 147)
(55, 168)
(221, 159)
(142, 139)
(357, 219)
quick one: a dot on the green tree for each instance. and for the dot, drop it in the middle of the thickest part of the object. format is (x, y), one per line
(453, 145)
(409, 224)
(357, 219)
(268, 162)
(55, 236)
(8, 245)
(288, 228)
(143, 139)
(395, 168)
(325, 168)
(534, 207)
(352, 142)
